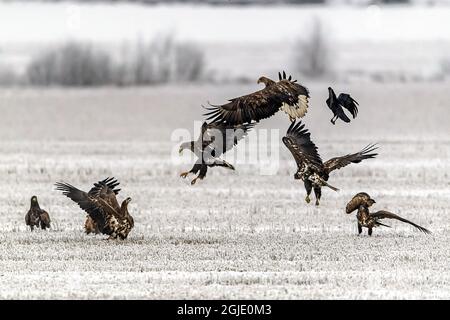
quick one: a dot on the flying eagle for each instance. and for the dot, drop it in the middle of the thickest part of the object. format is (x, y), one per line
(215, 139)
(286, 95)
(36, 216)
(310, 168)
(361, 202)
(336, 105)
(101, 204)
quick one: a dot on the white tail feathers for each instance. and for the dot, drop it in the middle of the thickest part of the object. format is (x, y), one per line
(298, 110)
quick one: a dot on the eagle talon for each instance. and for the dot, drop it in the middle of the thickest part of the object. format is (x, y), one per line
(317, 202)
(184, 174)
(307, 199)
(194, 181)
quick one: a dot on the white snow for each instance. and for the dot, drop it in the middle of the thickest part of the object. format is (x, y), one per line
(235, 234)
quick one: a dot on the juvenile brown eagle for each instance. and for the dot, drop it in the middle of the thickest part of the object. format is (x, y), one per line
(36, 216)
(102, 206)
(286, 95)
(215, 139)
(361, 202)
(90, 226)
(310, 168)
(336, 105)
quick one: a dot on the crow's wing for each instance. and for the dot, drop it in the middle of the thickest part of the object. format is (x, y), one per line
(349, 103)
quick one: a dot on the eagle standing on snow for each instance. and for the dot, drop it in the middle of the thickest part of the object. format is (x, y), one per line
(102, 206)
(310, 168)
(215, 139)
(286, 95)
(361, 202)
(336, 104)
(36, 216)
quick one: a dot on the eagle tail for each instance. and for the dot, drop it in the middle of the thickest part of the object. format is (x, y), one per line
(297, 110)
(331, 187)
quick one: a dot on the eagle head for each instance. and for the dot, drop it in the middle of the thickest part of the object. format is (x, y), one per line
(265, 80)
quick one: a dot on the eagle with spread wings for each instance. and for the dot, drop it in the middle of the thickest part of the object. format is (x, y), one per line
(285, 94)
(215, 139)
(310, 168)
(336, 104)
(101, 205)
(361, 202)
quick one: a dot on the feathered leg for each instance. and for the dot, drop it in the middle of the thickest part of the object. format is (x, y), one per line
(359, 228)
(201, 175)
(308, 188)
(370, 232)
(194, 170)
(318, 193)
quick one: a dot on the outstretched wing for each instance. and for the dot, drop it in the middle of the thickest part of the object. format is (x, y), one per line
(88, 203)
(224, 137)
(285, 94)
(349, 103)
(298, 141)
(389, 215)
(106, 190)
(340, 162)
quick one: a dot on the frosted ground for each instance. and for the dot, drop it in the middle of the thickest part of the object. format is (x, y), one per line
(235, 234)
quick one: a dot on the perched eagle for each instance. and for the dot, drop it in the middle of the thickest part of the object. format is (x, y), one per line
(286, 95)
(215, 139)
(310, 167)
(36, 216)
(102, 206)
(361, 202)
(336, 105)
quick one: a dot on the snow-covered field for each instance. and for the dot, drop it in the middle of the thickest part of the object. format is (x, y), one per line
(235, 234)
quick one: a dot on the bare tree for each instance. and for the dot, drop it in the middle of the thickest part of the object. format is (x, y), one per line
(312, 55)
(72, 64)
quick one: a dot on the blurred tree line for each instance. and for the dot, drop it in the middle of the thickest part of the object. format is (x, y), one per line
(248, 2)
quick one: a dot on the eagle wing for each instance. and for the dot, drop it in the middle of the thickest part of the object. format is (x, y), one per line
(95, 203)
(224, 137)
(106, 190)
(340, 162)
(359, 199)
(299, 143)
(286, 94)
(349, 103)
(389, 215)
